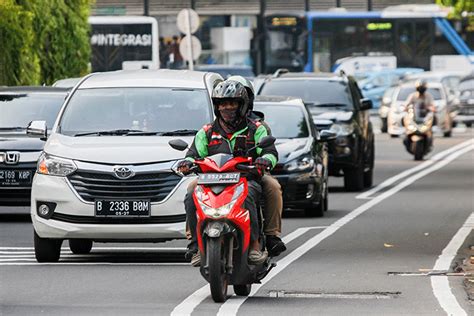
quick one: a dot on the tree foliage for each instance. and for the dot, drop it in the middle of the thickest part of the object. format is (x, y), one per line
(45, 40)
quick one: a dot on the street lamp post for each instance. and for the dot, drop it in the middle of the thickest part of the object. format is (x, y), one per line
(261, 38)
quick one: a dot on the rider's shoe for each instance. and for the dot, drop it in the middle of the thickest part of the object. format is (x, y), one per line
(275, 245)
(257, 256)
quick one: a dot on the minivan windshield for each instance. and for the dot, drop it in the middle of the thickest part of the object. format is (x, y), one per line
(107, 111)
(322, 93)
(285, 121)
(17, 110)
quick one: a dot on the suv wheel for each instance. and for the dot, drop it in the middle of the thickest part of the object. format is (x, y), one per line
(47, 250)
(369, 174)
(80, 246)
(384, 127)
(354, 178)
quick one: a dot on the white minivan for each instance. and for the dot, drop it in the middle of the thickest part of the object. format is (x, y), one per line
(105, 174)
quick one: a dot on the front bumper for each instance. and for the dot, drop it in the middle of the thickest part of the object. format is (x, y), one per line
(75, 218)
(300, 189)
(342, 154)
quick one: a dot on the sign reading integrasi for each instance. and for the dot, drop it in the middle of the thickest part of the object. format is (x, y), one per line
(121, 40)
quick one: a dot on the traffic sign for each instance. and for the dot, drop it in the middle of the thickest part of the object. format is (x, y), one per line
(195, 51)
(184, 16)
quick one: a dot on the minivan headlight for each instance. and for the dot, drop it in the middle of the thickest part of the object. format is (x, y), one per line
(55, 166)
(342, 129)
(299, 164)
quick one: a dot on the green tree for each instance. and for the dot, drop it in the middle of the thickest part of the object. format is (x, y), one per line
(52, 35)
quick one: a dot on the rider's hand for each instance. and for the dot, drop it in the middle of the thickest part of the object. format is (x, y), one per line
(184, 166)
(263, 164)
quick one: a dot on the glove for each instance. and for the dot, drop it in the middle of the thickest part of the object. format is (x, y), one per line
(184, 166)
(263, 164)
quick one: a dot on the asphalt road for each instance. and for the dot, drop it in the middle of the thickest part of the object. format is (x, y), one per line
(370, 255)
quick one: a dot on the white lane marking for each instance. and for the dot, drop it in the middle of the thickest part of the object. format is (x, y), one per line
(440, 284)
(231, 306)
(406, 173)
(187, 306)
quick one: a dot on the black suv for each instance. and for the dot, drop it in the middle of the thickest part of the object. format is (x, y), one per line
(19, 153)
(335, 98)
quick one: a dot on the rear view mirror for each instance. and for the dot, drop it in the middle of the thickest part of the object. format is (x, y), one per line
(37, 129)
(266, 141)
(365, 104)
(327, 135)
(178, 144)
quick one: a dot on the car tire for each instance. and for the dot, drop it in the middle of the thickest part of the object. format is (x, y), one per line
(369, 174)
(448, 133)
(47, 250)
(394, 135)
(354, 178)
(468, 124)
(384, 127)
(80, 246)
(316, 210)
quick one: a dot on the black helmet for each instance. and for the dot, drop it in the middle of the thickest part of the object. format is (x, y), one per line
(231, 90)
(248, 86)
(421, 86)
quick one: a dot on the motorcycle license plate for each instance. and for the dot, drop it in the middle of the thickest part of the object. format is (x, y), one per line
(122, 208)
(15, 177)
(219, 178)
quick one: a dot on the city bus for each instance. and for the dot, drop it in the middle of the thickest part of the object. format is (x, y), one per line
(316, 40)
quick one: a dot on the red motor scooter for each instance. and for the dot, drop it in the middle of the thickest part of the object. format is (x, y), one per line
(223, 224)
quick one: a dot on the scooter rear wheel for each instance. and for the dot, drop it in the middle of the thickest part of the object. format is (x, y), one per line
(242, 289)
(217, 274)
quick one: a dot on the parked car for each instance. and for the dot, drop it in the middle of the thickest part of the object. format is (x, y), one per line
(466, 98)
(396, 113)
(105, 174)
(339, 99)
(387, 100)
(228, 70)
(302, 168)
(19, 153)
(373, 84)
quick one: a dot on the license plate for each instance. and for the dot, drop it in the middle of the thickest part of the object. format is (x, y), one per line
(219, 178)
(122, 208)
(10, 177)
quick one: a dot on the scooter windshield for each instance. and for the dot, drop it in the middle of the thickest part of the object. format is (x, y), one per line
(220, 159)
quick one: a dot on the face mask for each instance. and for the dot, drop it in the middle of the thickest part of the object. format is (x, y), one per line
(229, 116)
(421, 90)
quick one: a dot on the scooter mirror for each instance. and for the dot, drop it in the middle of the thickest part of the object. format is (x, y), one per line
(266, 141)
(178, 144)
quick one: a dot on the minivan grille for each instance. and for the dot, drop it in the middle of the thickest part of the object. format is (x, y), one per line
(94, 185)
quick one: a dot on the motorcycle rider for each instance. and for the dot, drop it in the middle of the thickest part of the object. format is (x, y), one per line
(273, 208)
(230, 102)
(422, 103)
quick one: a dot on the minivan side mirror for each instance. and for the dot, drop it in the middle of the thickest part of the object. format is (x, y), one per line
(178, 144)
(327, 135)
(365, 104)
(37, 129)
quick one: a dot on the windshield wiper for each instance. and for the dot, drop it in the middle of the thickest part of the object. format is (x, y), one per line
(114, 132)
(179, 132)
(13, 128)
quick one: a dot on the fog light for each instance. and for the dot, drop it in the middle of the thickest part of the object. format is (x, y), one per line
(45, 209)
(310, 192)
(347, 151)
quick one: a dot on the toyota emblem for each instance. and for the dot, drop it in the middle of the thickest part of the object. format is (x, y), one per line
(123, 173)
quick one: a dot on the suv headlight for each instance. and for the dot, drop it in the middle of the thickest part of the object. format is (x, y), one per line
(55, 166)
(342, 129)
(220, 211)
(299, 164)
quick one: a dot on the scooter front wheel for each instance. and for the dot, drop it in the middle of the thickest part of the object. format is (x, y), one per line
(418, 150)
(217, 275)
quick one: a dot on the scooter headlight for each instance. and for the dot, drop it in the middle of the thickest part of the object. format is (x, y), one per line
(220, 211)
(55, 166)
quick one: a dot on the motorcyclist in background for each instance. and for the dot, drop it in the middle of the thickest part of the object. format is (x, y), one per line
(231, 102)
(422, 102)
